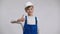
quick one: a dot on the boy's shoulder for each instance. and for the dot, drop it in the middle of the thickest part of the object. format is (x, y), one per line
(37, 17)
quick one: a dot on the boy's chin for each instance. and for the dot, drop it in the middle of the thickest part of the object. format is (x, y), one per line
(31, 13)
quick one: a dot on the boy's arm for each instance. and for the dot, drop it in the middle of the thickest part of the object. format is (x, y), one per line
(38, 25)
(20, 20)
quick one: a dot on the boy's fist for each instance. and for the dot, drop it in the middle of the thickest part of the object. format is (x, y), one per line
(21, 19)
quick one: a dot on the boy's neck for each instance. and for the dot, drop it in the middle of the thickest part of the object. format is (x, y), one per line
(30, 14)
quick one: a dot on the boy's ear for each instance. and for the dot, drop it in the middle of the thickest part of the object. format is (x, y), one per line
(25, 10)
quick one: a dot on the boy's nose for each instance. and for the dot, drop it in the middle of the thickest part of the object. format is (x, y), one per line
(30, 11)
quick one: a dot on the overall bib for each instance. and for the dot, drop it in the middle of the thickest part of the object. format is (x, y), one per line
(30, 29)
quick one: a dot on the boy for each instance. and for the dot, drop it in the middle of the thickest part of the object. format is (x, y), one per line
(29, 22)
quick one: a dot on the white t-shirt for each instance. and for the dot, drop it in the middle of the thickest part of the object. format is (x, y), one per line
(30, 20)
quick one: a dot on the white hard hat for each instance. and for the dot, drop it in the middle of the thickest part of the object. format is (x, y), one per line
(28, 4)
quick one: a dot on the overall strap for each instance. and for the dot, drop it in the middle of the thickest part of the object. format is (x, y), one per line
(36, 20)
(25, 22)
(25, 19)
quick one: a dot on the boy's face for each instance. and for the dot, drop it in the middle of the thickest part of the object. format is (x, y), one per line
(30, 10)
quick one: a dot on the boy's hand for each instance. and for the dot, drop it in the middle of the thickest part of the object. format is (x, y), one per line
(21, 19)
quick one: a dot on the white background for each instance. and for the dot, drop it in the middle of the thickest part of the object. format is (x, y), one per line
(46, 10)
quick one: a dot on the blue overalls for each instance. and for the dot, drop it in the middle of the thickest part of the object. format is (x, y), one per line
(30, 29)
